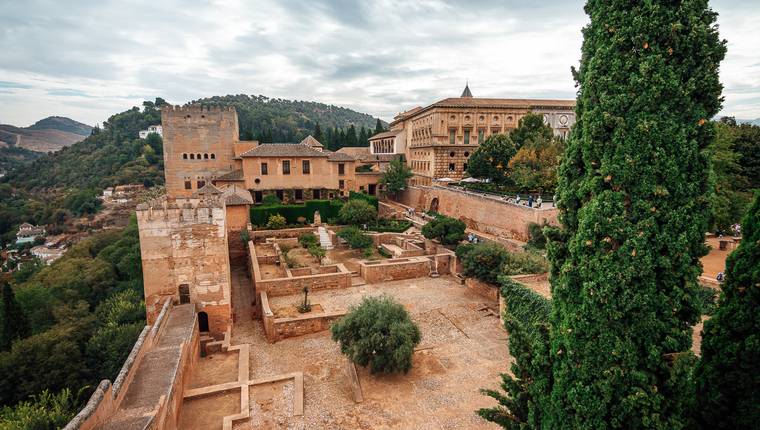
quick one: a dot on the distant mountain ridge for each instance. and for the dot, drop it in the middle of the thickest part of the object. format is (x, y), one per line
(46, 135)
(755, 121)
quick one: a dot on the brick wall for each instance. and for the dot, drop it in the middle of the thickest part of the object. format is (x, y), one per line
(480, 213)
(281, 328)
(394, 269)
(486, 290)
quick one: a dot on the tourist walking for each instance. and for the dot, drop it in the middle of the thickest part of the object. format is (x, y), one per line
(539, 201)
(530, 201)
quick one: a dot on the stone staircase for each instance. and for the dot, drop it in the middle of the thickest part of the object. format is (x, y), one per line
(324, 239)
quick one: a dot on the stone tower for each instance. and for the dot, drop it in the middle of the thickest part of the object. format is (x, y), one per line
(198, 145)
(184, 250)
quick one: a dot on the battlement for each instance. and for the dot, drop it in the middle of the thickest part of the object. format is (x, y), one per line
(195, 108)
(208, 210)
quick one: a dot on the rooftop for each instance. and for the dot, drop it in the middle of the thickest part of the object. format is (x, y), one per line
(283, 150)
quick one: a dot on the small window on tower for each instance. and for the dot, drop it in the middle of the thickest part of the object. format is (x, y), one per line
(184, 156)
(213, 156)
(452, 167)
(188, 185)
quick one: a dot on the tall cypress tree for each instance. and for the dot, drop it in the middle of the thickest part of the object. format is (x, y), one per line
(351, 136)
(728, 376)
(633, 195)
(318, 133)
(15, 324)
(379, 127)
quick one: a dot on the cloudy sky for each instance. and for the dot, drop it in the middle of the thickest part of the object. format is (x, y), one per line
(88, 59)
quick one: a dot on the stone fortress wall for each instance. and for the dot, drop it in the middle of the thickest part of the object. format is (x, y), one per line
(185, 257)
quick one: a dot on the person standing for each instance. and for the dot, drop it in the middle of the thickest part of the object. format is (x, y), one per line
(539, 201)
(530, 201)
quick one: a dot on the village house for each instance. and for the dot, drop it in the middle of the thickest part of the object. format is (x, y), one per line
(27, 233)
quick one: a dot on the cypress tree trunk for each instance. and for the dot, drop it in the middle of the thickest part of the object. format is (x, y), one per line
(728, 377)
(633, 192)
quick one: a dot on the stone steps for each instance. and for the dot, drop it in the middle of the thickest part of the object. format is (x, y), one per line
(324, 239)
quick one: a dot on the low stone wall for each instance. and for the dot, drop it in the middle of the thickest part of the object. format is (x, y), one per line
(531, 277)
(394, 269)
(258, 236)
(282, 328)
(484, 289)
(481, 213)
(322, 278)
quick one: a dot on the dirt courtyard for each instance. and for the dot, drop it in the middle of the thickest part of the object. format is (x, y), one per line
(462, 350)
(715, 261)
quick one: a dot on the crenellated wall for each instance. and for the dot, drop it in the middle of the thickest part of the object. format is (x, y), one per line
(185, 242)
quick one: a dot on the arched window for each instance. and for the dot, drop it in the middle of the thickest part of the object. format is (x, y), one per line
(213, 156)
(205, 156)
(184, 156)
(198, 156)
(192, 156)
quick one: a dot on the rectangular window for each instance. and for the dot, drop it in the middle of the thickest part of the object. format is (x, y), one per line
(467, 137)
(299, 194)
(259, 196)
(452, 167)
(201, 184)
(264, 169)
(341, 169)
(188, 185)
(306, 167)
(341, 184)
(452, 136)
(481, 136)
(316, 194)
(285, 167)
(280, 194)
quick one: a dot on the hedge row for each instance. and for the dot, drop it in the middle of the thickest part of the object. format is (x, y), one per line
(363, 196)
(327, 209)
(525, 305)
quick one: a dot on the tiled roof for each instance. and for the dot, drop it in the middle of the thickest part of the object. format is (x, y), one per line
(517, 103)
(235, 175)
(383, 135)
(355, 151)
(208, 188)
(237, 196)
(339, 156)
(311, 141)
(283, 150)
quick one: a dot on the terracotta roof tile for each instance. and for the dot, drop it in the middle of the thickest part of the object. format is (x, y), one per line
(283, 150)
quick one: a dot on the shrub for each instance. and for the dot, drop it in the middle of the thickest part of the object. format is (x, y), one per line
(327, 209)
(356, 212)
(484, 261)
(317, 252)
(245, 237)
(308, 239)
(536, 235)
(378, 333)
(352, 195)
(446, 229)
(270, 200)
(520, 263)
(276, 221)
(355, 237)
(43, 411)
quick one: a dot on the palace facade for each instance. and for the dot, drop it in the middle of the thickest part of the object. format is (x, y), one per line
(438, 139)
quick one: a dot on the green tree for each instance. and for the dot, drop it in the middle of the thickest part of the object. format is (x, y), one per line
(448, 230)
(46, 411)
(484, 261)
(491, 159)
(317, 252)
(14, 325)
(728, 375)
(356, 238)
(270, 200)
(357, 212)
(379, 127)
(378, 333)
(531, 130)
(633, 193)
(351, 139)
(394, 180)
(308, 239)
(318, 132)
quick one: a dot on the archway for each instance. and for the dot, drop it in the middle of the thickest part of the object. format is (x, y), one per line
(202, 321)
(434, 205)
(184, 294)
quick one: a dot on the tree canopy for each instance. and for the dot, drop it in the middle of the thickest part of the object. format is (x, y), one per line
(491, 159)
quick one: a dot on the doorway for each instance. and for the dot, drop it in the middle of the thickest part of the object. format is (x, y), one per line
(202, 321)
(184, 294)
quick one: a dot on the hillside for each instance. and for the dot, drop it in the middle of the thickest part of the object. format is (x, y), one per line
(46, 135)
(755, 121)
(277, 120)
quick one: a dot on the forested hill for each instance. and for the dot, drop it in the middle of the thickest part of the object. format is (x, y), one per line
(110, 155)
(277, 120)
